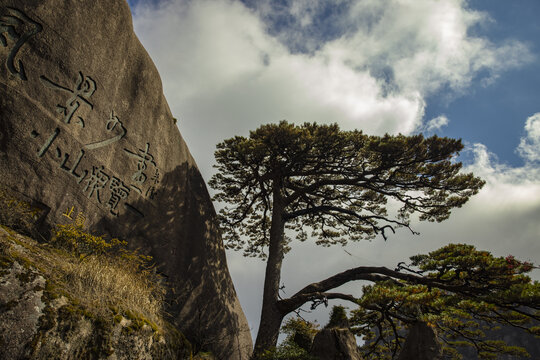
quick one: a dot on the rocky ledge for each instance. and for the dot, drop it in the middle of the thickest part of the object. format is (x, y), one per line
(42, 318)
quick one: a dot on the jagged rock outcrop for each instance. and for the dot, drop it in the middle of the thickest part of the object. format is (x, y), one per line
(86, 136)
(421, 344)
(36, 328)
(335, 344)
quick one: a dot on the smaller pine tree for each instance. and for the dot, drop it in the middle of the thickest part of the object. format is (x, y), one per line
(338, 318)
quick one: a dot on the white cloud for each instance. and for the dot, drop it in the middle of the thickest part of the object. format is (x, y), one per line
(529, 146)
(487, 166)
(223, 72)
(425, 44)
(304, 11)
(437, 123)
(203, 46)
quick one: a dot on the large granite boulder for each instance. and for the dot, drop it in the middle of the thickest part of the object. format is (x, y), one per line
(86, 136)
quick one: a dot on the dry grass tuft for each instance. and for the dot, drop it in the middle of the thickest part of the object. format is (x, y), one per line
(102, 283)
(100, 278)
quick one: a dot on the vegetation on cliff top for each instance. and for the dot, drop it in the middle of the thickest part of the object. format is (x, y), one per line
(459, 291)
(99, 278)
(466, 295)
(101, 273)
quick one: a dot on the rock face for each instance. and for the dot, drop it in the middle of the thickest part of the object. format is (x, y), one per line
(335, 344)
(421, 344)
(22, 308)
(86, 136)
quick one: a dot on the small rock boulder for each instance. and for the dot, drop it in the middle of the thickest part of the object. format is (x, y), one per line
(335, 344)
(421, 344)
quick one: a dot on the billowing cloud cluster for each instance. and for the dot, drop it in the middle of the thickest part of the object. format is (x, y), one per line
(227, 68)
(529, 146)
(436, 123)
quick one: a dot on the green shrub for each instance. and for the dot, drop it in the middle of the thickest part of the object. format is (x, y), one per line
(296, 346)
(75, 240)
(338, 318)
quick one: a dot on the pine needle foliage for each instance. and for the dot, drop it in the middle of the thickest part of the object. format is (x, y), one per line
(335, 182)
(466, 291)
(338, 318)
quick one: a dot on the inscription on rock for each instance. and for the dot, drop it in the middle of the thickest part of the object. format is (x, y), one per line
(16, 28)
(98, 183)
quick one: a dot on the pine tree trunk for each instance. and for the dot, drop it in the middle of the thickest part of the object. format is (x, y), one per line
(267, 335)
(271, 316)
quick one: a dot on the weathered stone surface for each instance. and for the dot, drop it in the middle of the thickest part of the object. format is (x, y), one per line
(68, 334)
(20, 308)
(87, 136)
(335, 344)
(421, 344)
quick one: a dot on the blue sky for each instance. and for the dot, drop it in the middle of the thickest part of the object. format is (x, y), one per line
(514, 96)
(464, 69)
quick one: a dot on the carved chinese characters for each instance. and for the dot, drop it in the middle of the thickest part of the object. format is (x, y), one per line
(144, 160)
(17, 28)
(111, 125)
(67, 143)
(82, 91)
(79, 219)
(97, 182)
(119, 192)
